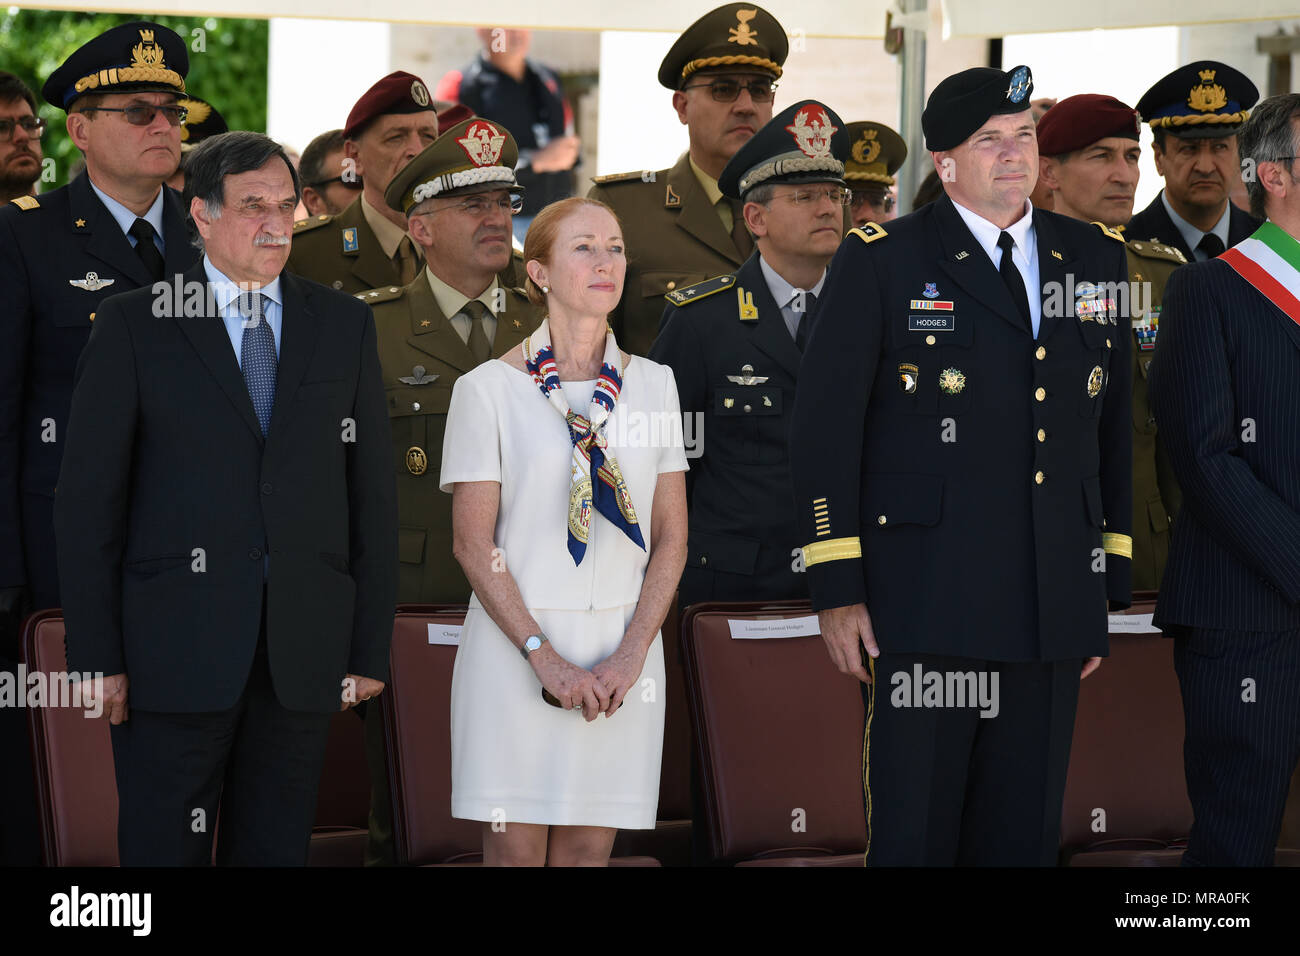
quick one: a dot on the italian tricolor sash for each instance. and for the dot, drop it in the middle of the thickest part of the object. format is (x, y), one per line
(1270, 261)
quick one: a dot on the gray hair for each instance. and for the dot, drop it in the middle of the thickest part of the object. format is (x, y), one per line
(1268, 137)
(228, 154)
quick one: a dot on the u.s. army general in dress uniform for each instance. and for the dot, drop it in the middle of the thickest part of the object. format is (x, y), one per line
(679, 228)
(961, 466)
(734, 344)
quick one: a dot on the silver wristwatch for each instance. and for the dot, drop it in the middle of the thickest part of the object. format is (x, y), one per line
(531, 644)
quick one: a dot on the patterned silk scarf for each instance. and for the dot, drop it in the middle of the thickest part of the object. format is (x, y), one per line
(609, 492)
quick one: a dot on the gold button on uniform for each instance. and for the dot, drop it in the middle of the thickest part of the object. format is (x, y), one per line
(1042, 435)
(1108, 343)
(929, 340)
(1040, 393)
(881, 519)
(671, 286)
(415, 406)
(1038, 477)
(1040, 353)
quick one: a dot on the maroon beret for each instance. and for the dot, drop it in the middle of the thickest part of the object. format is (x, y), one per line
(398, 92)
(1081, 120)
(453, 115)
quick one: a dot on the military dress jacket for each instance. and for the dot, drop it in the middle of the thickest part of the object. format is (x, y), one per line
(1154, 224)
(341, 252)
(1156, 496)
(421, 356)
(61, 254)
(674, 239)
(968, 482)
(736, 367)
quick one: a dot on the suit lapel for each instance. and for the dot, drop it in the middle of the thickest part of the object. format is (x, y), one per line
(368, 263)
(973, 271)
(1053, 273)
(697, 215)
(107, 242)
(207, 334)
(1240, 225)
(299, 329)
(178, 252)
(770, 334)
(439, 338)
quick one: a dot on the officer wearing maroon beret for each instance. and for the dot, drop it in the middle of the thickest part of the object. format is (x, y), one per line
(1088, 158)
(366, 245)
(959, 452)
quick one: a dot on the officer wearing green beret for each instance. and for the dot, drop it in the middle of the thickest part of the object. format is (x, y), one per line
(366, 245)
(457, 198)
(1088, 157)
(679, 227)
(876, 154)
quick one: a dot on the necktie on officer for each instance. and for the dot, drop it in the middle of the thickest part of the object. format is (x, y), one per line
(257, 357)
(806, 319)
(1012, 277)
(479, 346)
(1211, 245)
(739, 232)
(143, 233)
(406, 261)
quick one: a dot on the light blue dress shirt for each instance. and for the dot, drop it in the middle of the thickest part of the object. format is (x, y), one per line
(785, 294)
(226, 293)
(1024, 254)
(1193, 236)
(126, 218)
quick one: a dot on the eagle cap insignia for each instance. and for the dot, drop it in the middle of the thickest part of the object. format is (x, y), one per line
(482, 143)
(147, 54)
(742, 34)
(812, 132)
(1208, 96)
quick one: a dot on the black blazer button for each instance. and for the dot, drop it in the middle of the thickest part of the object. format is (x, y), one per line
(266, 488)
(254, 553)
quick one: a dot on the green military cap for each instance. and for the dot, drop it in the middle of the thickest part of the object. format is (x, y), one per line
(875, 154)
(739, 35)
(472, 157)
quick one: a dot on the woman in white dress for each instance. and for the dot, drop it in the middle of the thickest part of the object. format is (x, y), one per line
(566, 466)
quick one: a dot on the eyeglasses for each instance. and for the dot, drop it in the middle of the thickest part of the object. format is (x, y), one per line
(33, 125)
(478, 206)
(353, 183)
(885, 202)
(840, 195)
(727, 91)
(143, 115)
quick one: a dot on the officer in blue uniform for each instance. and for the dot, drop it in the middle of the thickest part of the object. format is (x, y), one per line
(734, 343)
(960, 453)
(115, 228)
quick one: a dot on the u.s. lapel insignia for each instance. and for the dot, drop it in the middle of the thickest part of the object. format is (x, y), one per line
(748, 311)
(418, 377)
(350, 243)
(952, 380)
(961, 255)
(908, 375)
(747, 377)
(1057, 255)
(92, 282)
(1094, 382)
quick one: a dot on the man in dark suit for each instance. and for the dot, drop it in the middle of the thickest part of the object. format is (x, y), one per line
(1225, 385)
(961, 463)
(227, 528)
(61, 254)
(1194, 114)
(734, 344)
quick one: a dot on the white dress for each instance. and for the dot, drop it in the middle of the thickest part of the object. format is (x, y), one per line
(516, 758)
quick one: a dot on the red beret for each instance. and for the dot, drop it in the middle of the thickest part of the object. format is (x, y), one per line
(1079, 121)
(453, 115)
(398, 92)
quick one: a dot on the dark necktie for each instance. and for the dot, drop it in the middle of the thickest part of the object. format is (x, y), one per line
(479, 345)
(739, 233)
(257, 357)
(1014, 280)
(1211, 245)
(806, 319)
(407, 261)
(143, 234)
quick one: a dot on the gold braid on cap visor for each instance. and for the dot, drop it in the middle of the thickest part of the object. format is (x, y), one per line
(1167, 121)
(131, 74)
(732, 60)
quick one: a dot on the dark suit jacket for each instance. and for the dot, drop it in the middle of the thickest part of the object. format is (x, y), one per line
(165, 456)
(1225, 355)
(1154, 223)
(742, 531)
(44, 324)
(981, 510)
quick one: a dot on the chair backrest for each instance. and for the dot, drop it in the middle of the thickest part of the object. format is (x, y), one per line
(675, 775)
(343, 798)
(1126, 761)
(417, 716)
(72, 756)
(779, 736)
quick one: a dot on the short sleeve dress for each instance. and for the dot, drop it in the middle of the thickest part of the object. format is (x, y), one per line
(516, 758)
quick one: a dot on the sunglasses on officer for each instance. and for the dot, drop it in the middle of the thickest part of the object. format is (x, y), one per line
(839, 195)
(725, 90)
(862, 197)
(33, 125)
(479, 206)
(143, 114)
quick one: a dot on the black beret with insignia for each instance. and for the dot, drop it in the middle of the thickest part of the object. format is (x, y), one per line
(134, 57)
(804, 143)
(965, 101)
(201, 121)
(738, 36)
(1200, 100)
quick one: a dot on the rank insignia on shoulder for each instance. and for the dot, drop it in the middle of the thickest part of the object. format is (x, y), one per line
(745, 300)
(310, 223)
(869, 232)
(26, 203)
(418, 377)
(92, 282)
(700, 290)
(350, 243)
(1108, 231)
(907, 377)
(387, 294)
(747, 377)
(644, 175)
